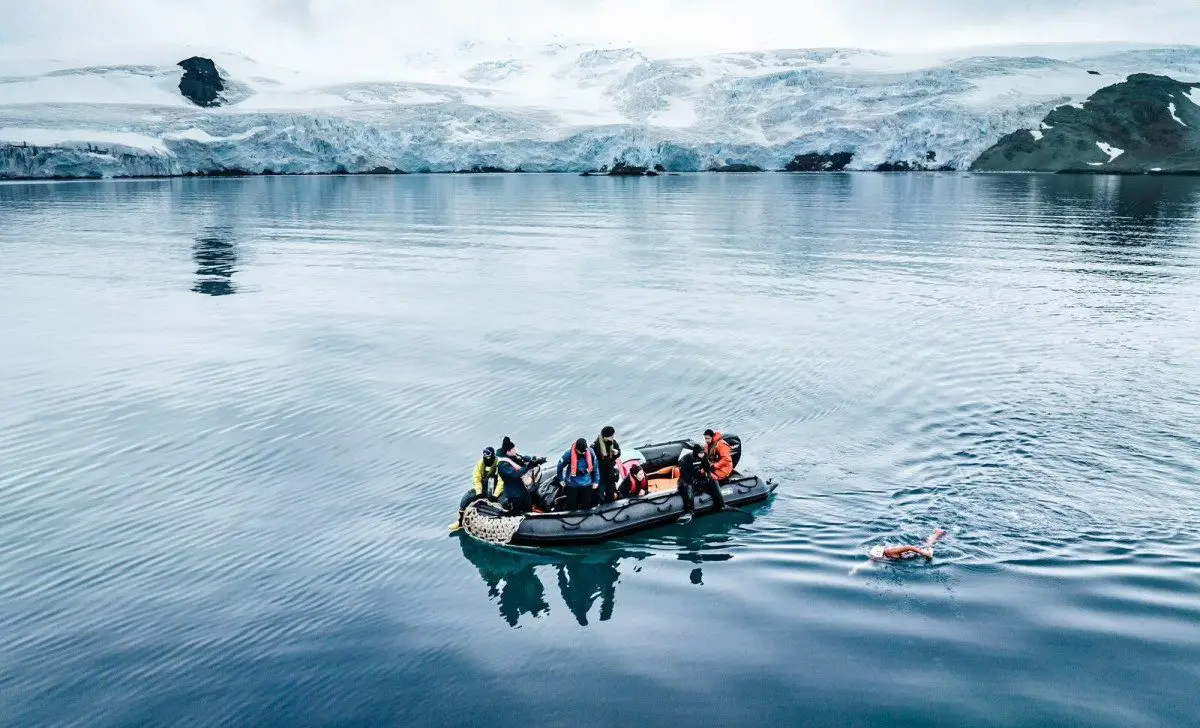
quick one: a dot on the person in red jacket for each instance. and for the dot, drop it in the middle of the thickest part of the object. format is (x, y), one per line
(720, 459)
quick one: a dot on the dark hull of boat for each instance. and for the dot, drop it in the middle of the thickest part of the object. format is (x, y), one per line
(629, 515)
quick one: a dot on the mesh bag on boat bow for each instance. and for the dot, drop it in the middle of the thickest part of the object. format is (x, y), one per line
(490, 528)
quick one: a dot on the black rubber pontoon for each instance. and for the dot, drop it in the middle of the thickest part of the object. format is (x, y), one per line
(488, 521)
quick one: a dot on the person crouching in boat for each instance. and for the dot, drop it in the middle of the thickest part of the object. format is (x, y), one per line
(579, 472)
(608, 450)
(516, 474)
(635, 483)
(706, 468)
(484, 481)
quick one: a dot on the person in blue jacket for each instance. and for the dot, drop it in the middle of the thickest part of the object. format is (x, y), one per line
(579, 472)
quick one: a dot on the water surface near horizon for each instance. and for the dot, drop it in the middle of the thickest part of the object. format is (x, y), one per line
(236, 417)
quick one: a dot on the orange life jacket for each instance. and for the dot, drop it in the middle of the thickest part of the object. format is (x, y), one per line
(575, 462)
(636, 486)
(720, 457)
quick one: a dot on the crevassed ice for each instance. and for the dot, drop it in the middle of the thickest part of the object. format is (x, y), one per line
(566, 110)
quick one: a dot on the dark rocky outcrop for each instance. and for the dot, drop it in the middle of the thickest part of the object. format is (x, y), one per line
(201, 83)
(621, 169)
(1146, 123)
(486, 169)
(814, 162)
(736, 167)
(900, 166)
(1094, 73)
(903, 165)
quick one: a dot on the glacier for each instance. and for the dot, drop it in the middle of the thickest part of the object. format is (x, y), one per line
(560, 108)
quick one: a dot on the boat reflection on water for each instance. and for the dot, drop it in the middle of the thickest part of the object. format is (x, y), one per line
(216, 257)
(589, 574)
(513, 582)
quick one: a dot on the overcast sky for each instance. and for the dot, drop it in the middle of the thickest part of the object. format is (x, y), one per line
(362, 33)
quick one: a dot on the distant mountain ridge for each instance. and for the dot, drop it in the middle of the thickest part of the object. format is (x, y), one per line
(567, 108)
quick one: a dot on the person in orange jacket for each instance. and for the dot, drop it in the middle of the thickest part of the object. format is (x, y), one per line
(718, 455)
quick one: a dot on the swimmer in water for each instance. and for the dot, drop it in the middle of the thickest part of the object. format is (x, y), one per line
(896, 553)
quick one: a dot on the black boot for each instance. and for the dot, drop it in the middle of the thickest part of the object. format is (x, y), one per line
(685, 490)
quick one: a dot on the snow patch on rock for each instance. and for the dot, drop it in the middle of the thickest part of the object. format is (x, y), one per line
(1110, 150)
(1171, 107)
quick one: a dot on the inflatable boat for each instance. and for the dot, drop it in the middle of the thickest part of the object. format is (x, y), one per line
(489, 521)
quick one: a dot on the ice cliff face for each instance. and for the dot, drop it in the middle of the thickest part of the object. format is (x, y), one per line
(558, 108)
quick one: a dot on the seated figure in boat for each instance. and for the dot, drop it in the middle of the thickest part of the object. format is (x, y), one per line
(635, 482)
(485, 481)
(579, 473)
(718, 455)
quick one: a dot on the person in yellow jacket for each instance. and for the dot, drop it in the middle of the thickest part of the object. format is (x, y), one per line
(485, 481)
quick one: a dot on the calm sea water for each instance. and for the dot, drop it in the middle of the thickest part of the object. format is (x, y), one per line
(236, 417)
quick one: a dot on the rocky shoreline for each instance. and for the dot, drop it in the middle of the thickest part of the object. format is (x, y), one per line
(234, 173)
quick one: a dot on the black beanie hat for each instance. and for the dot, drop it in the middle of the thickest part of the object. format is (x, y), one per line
(581, 445)
(506, 445)
(709, 433)
(608, 431)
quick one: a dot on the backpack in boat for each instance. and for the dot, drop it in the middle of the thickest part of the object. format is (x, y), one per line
(547, 494)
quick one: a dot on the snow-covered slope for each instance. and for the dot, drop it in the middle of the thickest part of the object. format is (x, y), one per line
(565, 107)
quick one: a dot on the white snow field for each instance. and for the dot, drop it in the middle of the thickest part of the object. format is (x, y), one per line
(566, 107)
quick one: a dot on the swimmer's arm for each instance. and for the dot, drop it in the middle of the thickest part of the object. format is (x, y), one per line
(900, 552)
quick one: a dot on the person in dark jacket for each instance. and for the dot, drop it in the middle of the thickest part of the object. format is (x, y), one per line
(517, 473)
(608, 452)
(579, 472)
(696, 472)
